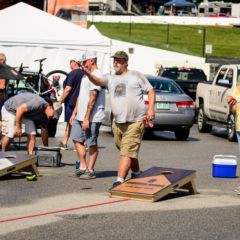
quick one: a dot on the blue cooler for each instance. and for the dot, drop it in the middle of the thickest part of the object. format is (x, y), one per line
(224, 166)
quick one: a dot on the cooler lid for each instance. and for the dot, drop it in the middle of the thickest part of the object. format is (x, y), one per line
(225, 159)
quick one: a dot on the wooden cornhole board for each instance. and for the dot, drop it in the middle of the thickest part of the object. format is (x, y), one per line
(11, 163)
(155, 183)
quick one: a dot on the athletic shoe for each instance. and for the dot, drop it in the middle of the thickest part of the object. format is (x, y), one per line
(79, 172)
(63, 146)
(88, 175)
(117, 183)
(133, 175)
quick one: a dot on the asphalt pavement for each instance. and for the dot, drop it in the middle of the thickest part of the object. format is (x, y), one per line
(60, 206)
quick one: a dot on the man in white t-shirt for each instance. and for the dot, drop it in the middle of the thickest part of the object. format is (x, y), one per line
(126, 89)
(87, 118)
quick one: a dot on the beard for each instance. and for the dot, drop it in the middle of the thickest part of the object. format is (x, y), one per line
(117, 70)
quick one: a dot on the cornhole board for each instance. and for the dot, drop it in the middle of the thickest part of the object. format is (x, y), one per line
(12, 162)
(155, 183)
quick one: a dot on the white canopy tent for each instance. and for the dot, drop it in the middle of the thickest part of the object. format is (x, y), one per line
(28, 33)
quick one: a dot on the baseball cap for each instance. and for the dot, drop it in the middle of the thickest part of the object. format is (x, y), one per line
(89, 54)
(74, 57)
(121, 55)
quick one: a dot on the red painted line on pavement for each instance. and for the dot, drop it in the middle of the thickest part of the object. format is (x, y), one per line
(63, 210)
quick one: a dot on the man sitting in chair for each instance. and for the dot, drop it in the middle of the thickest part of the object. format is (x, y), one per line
(29, 110)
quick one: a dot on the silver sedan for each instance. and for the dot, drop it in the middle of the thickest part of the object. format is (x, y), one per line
(174, 110)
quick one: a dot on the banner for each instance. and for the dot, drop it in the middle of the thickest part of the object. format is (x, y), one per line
(74, 11)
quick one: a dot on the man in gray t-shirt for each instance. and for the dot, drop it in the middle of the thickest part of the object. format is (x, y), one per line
(126, 90)
(29, 109)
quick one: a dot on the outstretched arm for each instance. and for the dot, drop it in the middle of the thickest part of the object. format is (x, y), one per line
(65, 93)
(94, 79)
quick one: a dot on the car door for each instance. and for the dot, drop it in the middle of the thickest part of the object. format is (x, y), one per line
(215, 93)
(220, 92)
(222, 105)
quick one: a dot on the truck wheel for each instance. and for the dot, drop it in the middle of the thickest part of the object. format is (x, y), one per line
(182, 133)
(231, 130)
(203, 127)
(52, 127)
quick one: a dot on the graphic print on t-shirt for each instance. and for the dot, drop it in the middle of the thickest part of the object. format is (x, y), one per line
(120, 89)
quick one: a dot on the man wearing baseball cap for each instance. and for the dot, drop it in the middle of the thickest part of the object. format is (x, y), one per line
(69, 96)
(87, 118)
(126, 88)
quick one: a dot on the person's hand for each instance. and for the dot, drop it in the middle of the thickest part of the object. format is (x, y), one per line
(85, 124)
(18, 131)
(71, 120)
(149, 118)
(84, 69)
(231, 101)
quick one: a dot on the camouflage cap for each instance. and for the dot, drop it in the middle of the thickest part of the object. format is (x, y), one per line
(121, 55)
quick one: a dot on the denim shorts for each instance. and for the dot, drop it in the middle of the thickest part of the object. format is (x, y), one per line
(89, 136)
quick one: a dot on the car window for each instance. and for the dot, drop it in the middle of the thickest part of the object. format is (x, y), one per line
(229, 76)
(165, 86)
(183, 74)
(221, 75)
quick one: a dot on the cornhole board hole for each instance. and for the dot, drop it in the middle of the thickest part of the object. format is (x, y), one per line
(11, 163)
(155, 183)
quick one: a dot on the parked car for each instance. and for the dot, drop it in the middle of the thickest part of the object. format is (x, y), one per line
(187, 78)
(174, 110)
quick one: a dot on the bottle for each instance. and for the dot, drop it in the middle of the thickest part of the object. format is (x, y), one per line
(77, 164)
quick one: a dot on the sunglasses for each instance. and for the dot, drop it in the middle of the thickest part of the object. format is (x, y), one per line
(120, 60)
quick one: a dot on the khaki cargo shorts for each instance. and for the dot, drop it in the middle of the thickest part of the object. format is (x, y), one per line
(128, 137)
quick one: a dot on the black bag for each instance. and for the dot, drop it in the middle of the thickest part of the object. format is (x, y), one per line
(49, 156)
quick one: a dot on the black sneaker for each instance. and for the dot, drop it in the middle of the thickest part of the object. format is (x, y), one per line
(79, 172)
(133, 175)
(117, 183)
(88, 175)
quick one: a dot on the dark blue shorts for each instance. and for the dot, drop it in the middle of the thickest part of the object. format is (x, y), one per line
(68, 112)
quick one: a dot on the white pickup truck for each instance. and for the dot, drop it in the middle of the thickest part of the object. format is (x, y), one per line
(211, 103)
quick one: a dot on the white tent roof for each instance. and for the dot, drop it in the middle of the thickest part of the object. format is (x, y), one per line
(22, 24)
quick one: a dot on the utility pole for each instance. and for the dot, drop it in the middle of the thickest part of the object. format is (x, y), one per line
(204, 42)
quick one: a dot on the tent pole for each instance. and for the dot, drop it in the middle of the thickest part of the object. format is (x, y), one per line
(45, 5)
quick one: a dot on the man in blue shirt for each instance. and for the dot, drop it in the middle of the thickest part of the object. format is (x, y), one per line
(69, 96)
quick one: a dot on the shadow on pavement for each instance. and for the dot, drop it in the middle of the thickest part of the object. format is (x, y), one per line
(104, 174)
(166, 136)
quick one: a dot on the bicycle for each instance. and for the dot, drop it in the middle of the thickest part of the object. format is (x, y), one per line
(45, 85)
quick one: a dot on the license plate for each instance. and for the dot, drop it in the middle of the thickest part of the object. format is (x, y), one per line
(162, 106)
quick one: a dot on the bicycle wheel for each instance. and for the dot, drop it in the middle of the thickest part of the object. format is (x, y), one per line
(59, 75)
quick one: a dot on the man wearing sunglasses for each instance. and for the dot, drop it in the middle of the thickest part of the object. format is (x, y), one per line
(126, 88)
